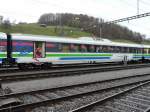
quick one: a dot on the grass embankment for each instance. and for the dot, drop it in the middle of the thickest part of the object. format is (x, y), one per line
(49, 30)
(66, 31)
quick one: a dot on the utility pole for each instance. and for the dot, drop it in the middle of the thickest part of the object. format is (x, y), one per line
(1, 19)
(137, 7)
(100, 28)
(60, 24)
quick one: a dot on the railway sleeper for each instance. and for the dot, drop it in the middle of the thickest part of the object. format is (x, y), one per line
(26, 66)
(124, 107)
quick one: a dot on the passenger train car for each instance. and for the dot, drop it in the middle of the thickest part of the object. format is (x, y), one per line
(31, 50)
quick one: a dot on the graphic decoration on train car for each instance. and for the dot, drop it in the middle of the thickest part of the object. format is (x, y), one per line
(3, 46)
(24, 48)
(53, 47)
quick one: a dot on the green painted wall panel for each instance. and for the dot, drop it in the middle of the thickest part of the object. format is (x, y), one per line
(67, 55)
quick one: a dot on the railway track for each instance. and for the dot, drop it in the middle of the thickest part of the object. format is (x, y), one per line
(69, 98)
(63, 72)
(54, 67)
(16, 69)
(135, 99)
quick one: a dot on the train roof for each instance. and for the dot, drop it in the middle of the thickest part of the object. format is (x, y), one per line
(81, 40)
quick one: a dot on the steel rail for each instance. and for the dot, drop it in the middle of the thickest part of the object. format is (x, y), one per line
(85, 107)
(71, 86)
(15, 69)
(55, 100)
(60, 73)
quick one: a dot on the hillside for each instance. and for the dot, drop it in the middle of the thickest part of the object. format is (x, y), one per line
(92, 25)
(49, 30)
(53, 31)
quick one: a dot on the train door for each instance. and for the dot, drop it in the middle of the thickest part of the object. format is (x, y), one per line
(39, 49)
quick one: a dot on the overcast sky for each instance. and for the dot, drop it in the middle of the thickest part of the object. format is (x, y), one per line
(30, 10)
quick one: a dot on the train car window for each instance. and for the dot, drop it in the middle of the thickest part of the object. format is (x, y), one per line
(104, 49)
(149, 51)
(135, 50)
(65, 48)
(98, 49)
(132, 50)
(142, 50)
(128, 50)
(145, 50)
(24, 48)
(117, 49)
(107, 49)
(125, 50)
(138, 50)
(114, 49)
(91, 48)
(120, 50)
(74, 48)
(83, 48)
(3, 45)
(111, 49)
(53, 47)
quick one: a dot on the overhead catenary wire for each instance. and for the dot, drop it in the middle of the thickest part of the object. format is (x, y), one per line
(129, 18)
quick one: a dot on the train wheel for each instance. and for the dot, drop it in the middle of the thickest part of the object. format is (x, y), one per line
(46, 66)
(21, 66)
